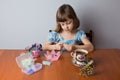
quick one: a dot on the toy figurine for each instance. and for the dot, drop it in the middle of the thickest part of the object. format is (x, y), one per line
(52, 55)
(35, 50)
(81, 60)
(27, 63)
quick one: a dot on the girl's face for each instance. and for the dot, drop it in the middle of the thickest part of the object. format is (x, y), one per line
(67, 25)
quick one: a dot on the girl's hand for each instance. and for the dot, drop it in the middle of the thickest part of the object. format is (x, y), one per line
(59, 46)
(69, 47)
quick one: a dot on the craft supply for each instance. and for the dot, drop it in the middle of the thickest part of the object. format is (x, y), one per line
(35, 50)
(46, 63)
(52, 55)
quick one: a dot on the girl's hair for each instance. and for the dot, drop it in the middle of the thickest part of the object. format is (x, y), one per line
(64, 13)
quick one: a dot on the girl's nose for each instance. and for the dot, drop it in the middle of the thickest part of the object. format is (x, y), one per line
(67, 27)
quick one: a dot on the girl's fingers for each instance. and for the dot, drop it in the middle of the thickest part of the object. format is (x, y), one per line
(60, 43)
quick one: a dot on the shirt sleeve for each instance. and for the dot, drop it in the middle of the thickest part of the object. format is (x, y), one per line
(52, 36)
(81, 35)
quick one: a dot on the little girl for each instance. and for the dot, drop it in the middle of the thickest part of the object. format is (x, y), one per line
(66, 35)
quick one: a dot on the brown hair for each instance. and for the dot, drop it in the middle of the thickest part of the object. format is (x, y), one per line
(65, 12)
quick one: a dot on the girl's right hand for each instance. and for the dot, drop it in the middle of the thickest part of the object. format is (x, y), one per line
(59, 46)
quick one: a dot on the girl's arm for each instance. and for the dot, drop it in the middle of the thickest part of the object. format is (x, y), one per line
(86, 45)
(49, 46)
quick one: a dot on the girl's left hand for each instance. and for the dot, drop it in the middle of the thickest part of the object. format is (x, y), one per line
(69, 47)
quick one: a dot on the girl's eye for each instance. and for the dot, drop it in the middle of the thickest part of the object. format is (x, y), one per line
(62, 24)
(69, 22)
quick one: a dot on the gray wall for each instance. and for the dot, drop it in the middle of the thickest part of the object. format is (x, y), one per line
(24, 22)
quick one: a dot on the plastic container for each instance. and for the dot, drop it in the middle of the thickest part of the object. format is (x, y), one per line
(27, 63)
